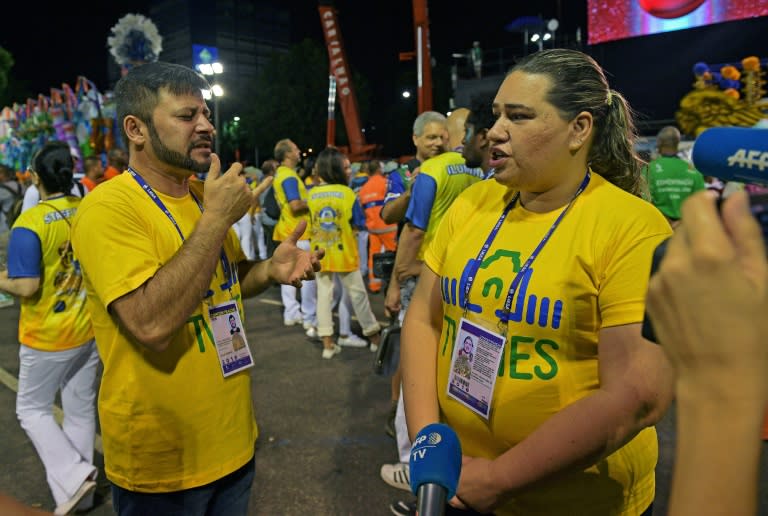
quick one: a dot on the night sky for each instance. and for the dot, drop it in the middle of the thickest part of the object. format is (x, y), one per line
(57, 44)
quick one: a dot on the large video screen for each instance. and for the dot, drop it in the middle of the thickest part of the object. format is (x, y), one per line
(609, 20)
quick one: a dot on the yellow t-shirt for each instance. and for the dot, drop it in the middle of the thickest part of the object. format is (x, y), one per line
(288, 221)
(55, 318)
(330, 208)
(592, 274)
(169, 420)
(441, 179)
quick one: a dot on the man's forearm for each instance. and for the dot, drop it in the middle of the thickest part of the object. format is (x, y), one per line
(154, 312)
(254, 277)
(394, 211)
(298, 207)
(406, 259)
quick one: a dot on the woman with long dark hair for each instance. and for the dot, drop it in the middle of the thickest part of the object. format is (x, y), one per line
(334, 210)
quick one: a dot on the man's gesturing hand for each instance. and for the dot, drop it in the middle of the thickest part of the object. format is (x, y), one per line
(226, 195)
(291, 265)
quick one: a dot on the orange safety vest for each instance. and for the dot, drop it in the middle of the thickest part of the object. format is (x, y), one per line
(372, 199)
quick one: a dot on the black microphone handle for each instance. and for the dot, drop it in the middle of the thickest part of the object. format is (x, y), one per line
(431, 500)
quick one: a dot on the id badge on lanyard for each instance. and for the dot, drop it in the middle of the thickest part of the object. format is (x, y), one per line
(476, 356)
(229, 338)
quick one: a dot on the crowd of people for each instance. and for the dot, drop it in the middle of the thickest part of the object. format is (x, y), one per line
(518, 228)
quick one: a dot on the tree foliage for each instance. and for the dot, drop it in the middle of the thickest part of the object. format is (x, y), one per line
(289, 99)
(6, 63)
(12, 89)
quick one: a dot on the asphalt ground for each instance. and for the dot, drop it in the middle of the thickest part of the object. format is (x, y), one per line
(321, 425)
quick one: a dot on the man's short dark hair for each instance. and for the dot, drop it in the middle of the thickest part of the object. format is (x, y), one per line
(138, 91)
(481, 111)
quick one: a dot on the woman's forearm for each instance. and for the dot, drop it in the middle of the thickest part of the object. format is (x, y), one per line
(635, 392)
(418, 349)
(572, 439)
(418, 353)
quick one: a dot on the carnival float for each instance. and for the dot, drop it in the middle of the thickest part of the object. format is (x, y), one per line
(80, 115)
(730, 94)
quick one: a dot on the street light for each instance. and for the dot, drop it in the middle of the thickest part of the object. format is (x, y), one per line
(552, 26)
(216, 91)
(536, 38)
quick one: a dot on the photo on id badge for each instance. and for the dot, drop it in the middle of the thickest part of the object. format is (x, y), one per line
(474, 362)
(229, 336)
(463, 364)
(238, 342)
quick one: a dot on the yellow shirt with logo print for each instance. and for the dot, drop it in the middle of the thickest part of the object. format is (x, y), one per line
(591, 274)
(55, 318)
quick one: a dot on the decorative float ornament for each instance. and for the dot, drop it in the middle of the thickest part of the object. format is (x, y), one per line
(752, 78)
(134, 41)
(730, 72)
(727, 97)
(703, 76)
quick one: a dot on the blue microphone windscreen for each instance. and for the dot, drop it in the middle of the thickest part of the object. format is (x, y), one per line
(436, 458)
(733, 154)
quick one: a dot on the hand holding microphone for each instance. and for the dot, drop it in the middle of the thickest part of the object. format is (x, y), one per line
(435, 467)
(730, 154)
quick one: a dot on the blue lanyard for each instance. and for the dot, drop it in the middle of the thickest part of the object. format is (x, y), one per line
(527, 265)
(152, 195)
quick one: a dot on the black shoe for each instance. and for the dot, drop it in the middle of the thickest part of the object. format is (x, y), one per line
(401, 508)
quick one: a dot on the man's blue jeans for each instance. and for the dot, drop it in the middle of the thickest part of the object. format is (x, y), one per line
(227, 496)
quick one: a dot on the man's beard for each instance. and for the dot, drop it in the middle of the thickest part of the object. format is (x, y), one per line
(473, 159)
(173, 158)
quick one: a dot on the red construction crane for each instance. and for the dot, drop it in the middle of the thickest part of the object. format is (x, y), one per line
(422, 55)
(339, 69)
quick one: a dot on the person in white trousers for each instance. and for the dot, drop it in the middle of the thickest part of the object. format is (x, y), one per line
(251, 235)
(58, 352)
(334, 210)
(291, 196)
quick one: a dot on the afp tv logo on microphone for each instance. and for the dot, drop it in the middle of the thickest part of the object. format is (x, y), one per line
(749, 158)
(423, 443)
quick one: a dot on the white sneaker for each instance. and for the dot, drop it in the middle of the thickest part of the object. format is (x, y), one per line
(311, 332)
(332, 352)
(70, 505)
(352, 341)
(374, 347)
(397, 475)
(292, 322)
